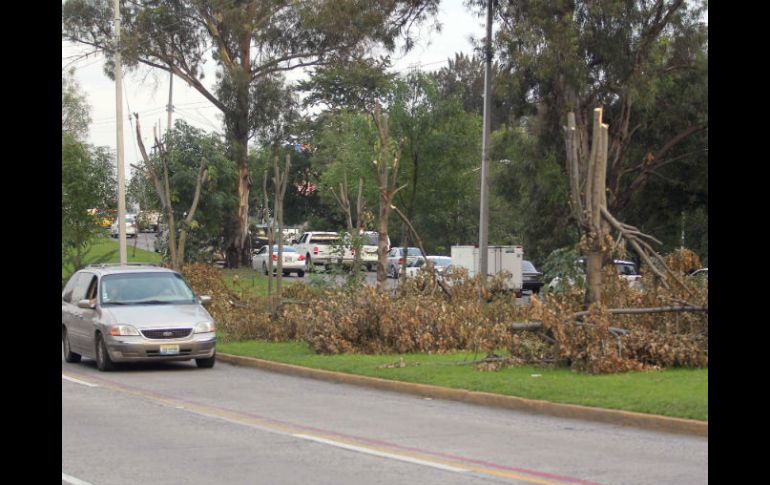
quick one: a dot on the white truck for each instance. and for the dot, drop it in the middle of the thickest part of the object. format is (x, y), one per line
(318, 247)
(500, 259)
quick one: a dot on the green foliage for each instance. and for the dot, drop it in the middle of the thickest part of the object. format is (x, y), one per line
(88, 182)
(562, 263)
(216, 202)
(647, 66)
(75, 112)
(442, 149)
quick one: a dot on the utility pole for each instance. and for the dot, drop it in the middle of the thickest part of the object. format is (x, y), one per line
(119, 119)
(484, 218)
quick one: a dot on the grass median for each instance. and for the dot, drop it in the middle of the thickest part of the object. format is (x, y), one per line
(680, 393)
(105, 250)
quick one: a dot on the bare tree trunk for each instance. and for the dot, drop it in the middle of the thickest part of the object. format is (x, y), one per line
(597, 176)
(386, 169)
(280, 182)
(356, 230)
(269, 249)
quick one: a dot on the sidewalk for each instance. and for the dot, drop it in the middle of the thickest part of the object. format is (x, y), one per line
(609, 416)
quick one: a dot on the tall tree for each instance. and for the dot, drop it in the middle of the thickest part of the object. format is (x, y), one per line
(644, 62)
(88, 182)
(441, 151)
(253, 43)
(75, 112)
(88, 178)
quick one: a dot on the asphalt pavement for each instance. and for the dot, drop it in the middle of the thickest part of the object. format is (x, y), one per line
(174, 423)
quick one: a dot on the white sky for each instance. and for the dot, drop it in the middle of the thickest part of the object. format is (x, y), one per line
(146, 92)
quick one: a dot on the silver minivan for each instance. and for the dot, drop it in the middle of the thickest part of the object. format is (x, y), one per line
(135, 313)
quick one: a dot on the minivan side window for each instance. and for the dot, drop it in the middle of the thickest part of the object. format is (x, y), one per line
(82, 286)
(67, 293)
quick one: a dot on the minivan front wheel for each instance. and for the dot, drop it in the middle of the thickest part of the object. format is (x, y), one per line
(103, 361)
(207, 363)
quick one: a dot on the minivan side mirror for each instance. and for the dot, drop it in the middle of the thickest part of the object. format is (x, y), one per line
(204, 299)
(86, 304)
(294, 241)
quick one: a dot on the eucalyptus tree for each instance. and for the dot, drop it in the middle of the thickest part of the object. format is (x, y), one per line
(252, 43)
(75, 112)
(644, 62)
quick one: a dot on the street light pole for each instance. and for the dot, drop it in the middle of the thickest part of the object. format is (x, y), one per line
(119, 116)
(484, 217)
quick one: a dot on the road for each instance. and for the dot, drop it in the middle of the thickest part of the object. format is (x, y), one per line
(173, 423)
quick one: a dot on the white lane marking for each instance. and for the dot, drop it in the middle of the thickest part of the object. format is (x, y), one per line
(381, 453)
(78, 381)
(72, 480)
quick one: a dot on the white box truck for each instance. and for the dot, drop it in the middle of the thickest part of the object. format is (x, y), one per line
(500, 259)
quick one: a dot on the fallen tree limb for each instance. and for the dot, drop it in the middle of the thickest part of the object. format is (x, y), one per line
(535, 325)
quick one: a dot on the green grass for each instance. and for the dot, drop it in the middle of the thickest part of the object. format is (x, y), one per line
(681, 393)
(250, 281)
(105, 250)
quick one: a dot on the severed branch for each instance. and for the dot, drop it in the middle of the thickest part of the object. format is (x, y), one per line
(535, 326)
(418, 240)
(644, 250)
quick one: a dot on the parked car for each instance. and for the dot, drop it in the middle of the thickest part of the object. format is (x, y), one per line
(135, 313)
(317, 247)
(701, 276)
(258, 236)
(148, 221)
(532, 279)
(700, 273)
(131, 228)
(293, 262)
(369, 255)
(626, 270)
(396, 259)
(441, 264)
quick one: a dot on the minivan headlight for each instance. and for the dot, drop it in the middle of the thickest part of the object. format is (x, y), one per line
(120, 330)
(204, 327)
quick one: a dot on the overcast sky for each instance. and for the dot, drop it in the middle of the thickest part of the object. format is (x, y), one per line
(146, 91)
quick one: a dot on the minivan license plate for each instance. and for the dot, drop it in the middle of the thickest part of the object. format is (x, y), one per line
(169, 349)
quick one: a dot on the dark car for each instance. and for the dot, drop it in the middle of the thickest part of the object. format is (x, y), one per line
(531, 278)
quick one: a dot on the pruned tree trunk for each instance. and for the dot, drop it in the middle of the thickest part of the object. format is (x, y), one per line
(279, 182)
(588, 200)
(386, 169)
(355, 230)
(163, 189)
(269, 249)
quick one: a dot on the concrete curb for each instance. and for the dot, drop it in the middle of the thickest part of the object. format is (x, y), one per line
(610, 416)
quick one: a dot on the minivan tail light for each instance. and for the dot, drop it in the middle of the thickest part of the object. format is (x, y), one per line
(275, 257)
(400, 261)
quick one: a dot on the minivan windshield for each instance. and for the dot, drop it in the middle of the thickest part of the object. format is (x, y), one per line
(147, 288)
